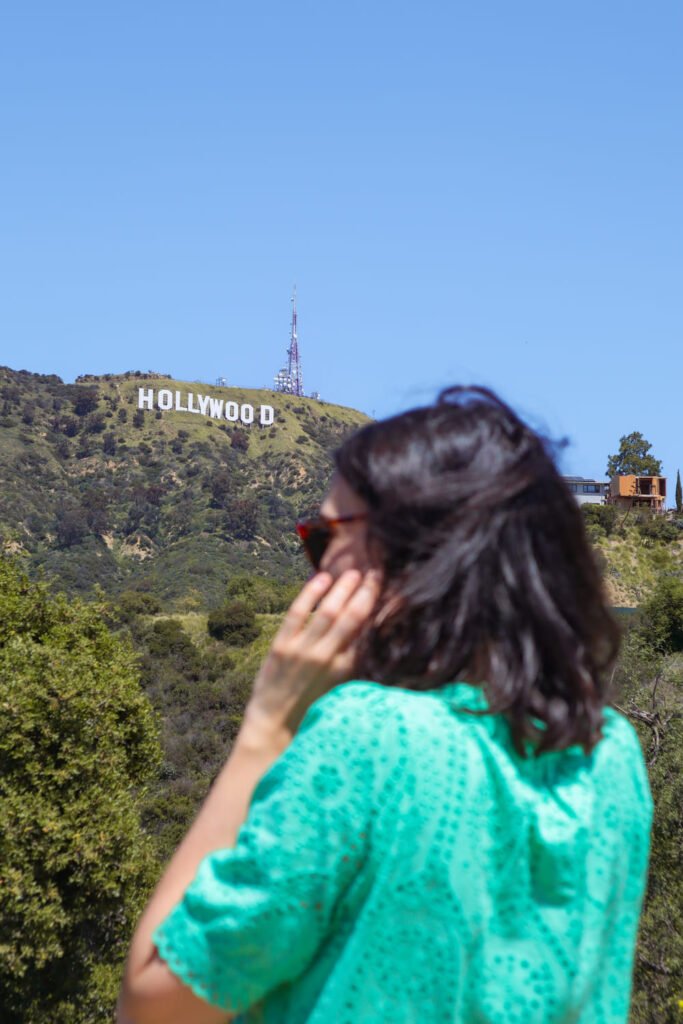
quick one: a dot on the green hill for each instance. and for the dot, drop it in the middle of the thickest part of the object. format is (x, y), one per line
(97, 491)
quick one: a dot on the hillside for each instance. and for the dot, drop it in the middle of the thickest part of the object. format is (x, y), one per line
(632, 566)
(169, 500)
(175, 500)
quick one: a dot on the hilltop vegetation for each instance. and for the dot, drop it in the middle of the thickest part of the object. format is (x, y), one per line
(84, 840)
(96, 491)
(635, 551)
(126, 707)
(78, 741)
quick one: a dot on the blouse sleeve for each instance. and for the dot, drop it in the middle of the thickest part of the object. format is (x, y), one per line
(255, 914)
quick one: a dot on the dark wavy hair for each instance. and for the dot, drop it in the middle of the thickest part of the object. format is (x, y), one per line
(488, 574)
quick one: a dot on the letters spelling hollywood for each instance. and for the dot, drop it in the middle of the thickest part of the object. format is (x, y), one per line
(205, 405)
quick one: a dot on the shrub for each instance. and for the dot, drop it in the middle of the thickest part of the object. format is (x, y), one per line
(62, 448)
(169, 638)
(86, 402)
(220, 487)
(94, 423)
(137, 602)
(71, 527)
(262, 594)
(77, 744)
(240, 441)
(595, 532)
(661, 617)
(70, 426)
(605, 517)
(234, 623)
(240, 519)
(657, 528)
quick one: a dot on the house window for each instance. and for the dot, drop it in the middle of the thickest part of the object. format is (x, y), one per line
(591, 488)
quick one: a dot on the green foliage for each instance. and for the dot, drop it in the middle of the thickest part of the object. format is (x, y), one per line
(138, 602)
(661, 616)
(192, 687)
(604, 517)
(177, 514)
(220, 487)
(233, 623)
(241, 517)
(650, 691)
(85, 401)
(633, 457)
(240, 440)
(264, 594)
(94, 423)
(71, 526)
(78, 741)
(679, 493)
(657, 528)
(167, 637)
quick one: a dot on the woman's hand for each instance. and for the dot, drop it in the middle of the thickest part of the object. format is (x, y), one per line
(313, 650)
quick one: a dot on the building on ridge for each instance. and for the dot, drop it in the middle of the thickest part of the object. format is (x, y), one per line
(640, 492)
(586, 490)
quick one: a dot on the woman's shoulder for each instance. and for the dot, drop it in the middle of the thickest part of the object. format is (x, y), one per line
(361, 701)
(374, 716)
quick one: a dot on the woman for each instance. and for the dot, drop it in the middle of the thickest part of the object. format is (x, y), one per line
(462, 836)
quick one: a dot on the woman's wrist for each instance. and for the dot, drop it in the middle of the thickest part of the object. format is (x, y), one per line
(263, 733)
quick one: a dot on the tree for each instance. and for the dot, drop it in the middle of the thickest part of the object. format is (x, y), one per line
(240, 441)
(86, 402)
(679, 493)
(220, 487)
(661, 616)
(78, 741)
(71, 526)
(137, 602)
(649, 689)
(234, 622)
(604, 517)
(240, 519)
(634, 458)
(263, 594)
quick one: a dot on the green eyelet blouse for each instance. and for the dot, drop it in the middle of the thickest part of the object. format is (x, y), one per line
(400, 863)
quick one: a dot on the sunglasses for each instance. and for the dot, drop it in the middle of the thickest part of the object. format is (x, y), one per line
(315, 534)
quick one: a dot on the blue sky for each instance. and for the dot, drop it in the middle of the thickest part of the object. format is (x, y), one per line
(484, 192)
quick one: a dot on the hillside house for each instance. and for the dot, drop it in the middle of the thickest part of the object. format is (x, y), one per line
(587, 491)
(640, 492)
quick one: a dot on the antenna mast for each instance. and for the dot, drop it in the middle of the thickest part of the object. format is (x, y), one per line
(294, 363)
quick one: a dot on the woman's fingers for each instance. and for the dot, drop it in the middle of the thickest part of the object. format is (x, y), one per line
(302, 606)
(332, 605)
(351, 618)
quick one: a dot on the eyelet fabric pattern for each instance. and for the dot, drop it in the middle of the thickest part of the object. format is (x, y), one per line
(401, 863)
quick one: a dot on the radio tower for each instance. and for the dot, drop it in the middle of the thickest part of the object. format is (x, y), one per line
(294, 364)
(290, 379)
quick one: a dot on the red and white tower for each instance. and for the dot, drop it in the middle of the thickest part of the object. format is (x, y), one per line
(290, 378)
(294, 364)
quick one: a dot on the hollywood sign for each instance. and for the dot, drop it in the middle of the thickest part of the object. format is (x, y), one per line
(205, 405)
